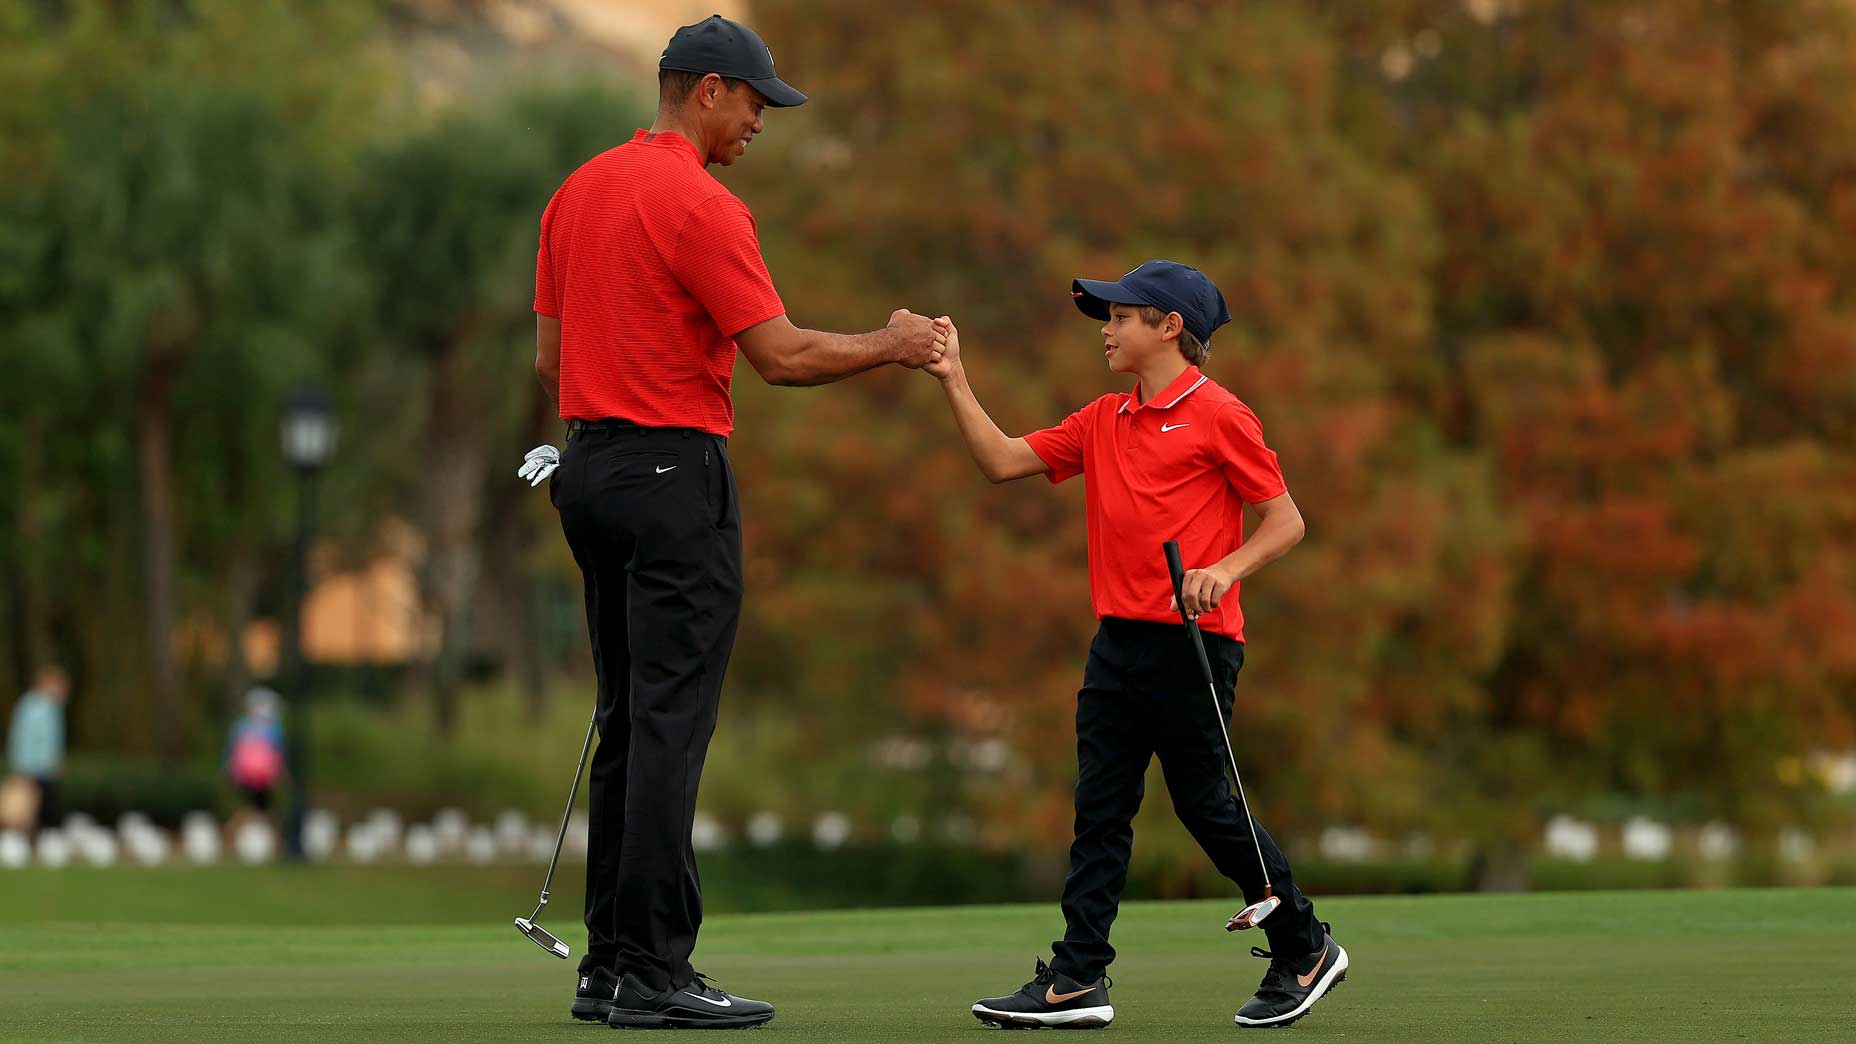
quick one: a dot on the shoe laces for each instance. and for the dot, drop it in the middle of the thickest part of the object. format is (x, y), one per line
(1277, 978)
(1281, 968)
(1044, 976)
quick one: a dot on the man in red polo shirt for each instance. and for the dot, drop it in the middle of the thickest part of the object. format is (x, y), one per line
(648, 278)
(1177, 458)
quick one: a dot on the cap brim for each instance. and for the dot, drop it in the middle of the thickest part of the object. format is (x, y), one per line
(1093, 296)
(777, 93)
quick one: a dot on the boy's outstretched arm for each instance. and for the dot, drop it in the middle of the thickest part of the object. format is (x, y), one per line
(1000, 457)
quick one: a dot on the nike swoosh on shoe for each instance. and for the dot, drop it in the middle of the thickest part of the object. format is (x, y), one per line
(1309, 980)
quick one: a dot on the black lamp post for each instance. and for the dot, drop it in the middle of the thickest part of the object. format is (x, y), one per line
(309, 433)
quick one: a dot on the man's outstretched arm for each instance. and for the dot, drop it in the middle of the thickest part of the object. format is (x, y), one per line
(784, 354)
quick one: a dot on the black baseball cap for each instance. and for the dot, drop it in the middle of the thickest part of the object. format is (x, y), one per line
(717, 45)
(1166, 285)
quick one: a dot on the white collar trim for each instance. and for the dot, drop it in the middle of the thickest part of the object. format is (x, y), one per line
(1195, 387)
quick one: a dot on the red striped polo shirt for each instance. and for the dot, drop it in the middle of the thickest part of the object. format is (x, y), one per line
(652, 267)
(1181, 467)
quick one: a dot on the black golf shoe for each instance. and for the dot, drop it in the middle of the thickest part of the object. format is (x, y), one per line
(696, 1006)
(1050, 999)
(1294, 984)
(593, 997)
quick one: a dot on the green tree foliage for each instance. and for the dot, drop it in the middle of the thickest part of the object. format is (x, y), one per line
(180, 262)
(446, 217)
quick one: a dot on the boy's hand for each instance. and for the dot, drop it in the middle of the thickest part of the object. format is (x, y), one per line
(1202, 590)
(949, 362)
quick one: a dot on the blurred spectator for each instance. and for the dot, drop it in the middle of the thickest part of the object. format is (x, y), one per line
(255, 752)
(35, 740)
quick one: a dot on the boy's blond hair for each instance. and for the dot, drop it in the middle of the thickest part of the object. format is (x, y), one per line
(1190, 346)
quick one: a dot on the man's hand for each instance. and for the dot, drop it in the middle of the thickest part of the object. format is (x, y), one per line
(1202, 590)
(539, 464)
(949, 362)
(921, 339)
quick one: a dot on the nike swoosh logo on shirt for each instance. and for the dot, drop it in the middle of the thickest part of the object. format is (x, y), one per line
(717, 1003)
(1170, 427)
(1051, 996)
(1309, 979)
(673, 467)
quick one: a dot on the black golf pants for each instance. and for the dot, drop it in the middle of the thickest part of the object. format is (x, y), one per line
(650, 514)
(1143, 695)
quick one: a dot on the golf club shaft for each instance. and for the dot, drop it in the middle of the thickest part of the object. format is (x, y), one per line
(567, 813)
(1176, 566)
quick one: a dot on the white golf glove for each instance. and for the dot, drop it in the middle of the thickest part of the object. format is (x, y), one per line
(539, 464)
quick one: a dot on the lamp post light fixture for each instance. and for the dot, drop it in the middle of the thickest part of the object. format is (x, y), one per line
(310, 433)
(309, 429)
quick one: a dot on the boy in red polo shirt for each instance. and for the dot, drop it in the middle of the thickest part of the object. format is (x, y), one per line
(1175, 459)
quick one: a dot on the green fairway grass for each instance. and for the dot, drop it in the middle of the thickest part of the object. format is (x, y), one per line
(381, 954)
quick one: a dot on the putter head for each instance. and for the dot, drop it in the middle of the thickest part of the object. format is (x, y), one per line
(1250, 915)
(542, 937)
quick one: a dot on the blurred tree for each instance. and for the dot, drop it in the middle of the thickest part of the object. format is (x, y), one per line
(972, 159)
(183, 256)
(1644, 298)
(447, 216)
(1547, 306)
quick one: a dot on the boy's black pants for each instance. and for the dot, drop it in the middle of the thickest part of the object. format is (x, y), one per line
(1143, 695)
(650, 514)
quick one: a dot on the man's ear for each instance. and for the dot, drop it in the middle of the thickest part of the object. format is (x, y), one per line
(710, 90)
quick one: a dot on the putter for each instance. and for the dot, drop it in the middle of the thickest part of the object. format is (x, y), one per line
(1250, 915)
(527, 925)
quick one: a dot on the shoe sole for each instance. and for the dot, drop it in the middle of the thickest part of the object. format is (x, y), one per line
(647, 1020)
(1334, 977)
(591, 1011)
(1080, 1018)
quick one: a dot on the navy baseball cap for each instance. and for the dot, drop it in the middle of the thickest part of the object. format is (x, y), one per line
(717, 45)
(1166, 285)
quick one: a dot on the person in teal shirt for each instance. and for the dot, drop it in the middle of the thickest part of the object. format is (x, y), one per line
(35, 741)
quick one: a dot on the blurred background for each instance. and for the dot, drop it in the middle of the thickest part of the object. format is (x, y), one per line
(1548, 307)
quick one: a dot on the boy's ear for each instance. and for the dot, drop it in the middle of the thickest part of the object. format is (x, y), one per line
(1172, 327)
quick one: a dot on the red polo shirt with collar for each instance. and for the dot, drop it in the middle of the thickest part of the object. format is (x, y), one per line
(652, 267)
(1181, 467)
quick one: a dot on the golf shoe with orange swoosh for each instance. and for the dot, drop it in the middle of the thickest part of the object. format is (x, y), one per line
(1294, 984)
(1051, 999)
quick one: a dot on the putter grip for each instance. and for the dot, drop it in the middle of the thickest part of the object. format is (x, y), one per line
(1176, 566)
